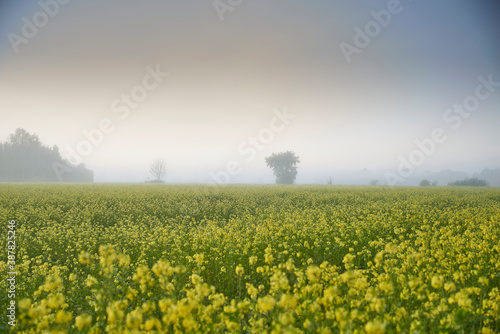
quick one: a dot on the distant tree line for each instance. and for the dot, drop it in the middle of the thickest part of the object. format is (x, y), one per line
(469, 182)
(23, 158)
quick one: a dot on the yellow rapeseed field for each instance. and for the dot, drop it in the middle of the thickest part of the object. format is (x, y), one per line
(252, 259)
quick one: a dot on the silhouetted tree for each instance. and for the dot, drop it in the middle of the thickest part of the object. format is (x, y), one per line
(284, 166)
(23, 158)
(425, 183)
(158, 170)
(374, 182)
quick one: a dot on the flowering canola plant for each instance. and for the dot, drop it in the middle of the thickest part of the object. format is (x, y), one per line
(253, 259)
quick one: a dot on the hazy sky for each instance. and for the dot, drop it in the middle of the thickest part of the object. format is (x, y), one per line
(67, 68)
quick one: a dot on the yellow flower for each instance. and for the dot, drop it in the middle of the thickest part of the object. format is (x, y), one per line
(252, 291)
(348, 258)
(218, 300)
(449, 287)
(268, 258)
(377, 304)
(286, 319)
(82, 321)
(486, 330)
(483, 280)
(313, 273)
(385, 286)
(114, 315)
(63, 317)
(375, 327)
(189, 323)
(232, 326)
(52, 282)
(379, 257)
(252, 260)
(266, 303)
(91, 281)
(196, 279)
(25, 303)
(37, 311)
(240, 270)
(148, 306)
(391, 248)
(198, 258)
(243, 306)
(131, 293)
(437, 282)
(230, 308)
(152, 323)
(287, 301)
(134, 319)
(164, 304)
(55, 301)
(84, 258)
(463, 299)
(123, 260)
(279, 281)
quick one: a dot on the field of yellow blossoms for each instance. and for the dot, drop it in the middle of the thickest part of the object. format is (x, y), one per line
(252, 259)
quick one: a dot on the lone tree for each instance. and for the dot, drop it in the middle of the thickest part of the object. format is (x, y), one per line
(284, 166)
(158, 170)
(425, 183)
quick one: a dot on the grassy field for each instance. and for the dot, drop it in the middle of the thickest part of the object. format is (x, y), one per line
(251, 259)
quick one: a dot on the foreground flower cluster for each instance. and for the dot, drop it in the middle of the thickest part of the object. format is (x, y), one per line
(243, 259)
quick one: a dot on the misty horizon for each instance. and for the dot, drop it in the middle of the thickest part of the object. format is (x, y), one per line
(347, 87)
